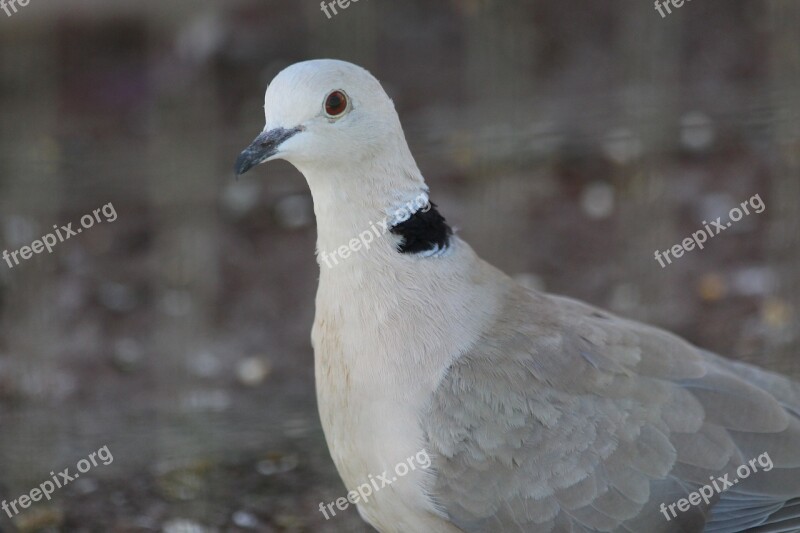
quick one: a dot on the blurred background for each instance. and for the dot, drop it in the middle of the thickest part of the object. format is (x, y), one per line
(566, 141)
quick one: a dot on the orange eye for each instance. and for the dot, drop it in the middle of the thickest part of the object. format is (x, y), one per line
(336, 104)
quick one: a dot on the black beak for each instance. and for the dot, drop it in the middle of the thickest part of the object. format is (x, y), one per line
(265, 146)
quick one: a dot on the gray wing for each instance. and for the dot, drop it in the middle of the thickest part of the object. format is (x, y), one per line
(565, 418)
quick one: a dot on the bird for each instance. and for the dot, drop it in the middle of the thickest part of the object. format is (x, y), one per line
(539, 413)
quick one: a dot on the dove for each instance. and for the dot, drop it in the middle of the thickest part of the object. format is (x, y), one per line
(539, 413)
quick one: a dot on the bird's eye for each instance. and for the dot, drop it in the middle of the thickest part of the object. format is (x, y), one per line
(336, 104)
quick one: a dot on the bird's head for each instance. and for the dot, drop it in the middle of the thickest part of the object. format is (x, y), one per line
(324, 114)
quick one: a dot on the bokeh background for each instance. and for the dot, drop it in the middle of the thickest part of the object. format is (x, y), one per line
(566, 141)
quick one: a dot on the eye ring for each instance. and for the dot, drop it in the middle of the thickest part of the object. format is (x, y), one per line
(336, 104)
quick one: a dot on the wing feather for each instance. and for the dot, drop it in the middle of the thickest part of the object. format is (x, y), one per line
(567, 419)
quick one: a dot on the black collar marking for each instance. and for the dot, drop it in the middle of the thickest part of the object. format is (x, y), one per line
(424, 231)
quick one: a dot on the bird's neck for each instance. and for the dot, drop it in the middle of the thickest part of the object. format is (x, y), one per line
(356, 210)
